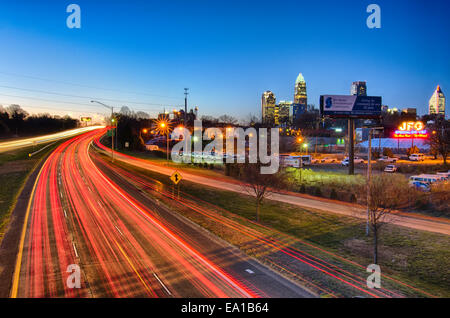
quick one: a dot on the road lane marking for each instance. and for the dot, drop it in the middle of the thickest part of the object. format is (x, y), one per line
(65, 214)
(134, 268)
(118, 230)
(249, 271)
(16, 276)
(162, 284)
(75, 249)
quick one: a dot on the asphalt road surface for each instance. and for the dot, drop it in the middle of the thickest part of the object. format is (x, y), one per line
(125, 245)
(28, 142)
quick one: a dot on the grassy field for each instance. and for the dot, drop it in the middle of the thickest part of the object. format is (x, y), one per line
(415, 257)
(15, 167)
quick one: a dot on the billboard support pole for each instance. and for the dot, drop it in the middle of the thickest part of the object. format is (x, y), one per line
(351, 148)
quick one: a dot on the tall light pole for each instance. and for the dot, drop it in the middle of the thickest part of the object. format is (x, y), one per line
(112, 121)
(186, 93)
(369, 173)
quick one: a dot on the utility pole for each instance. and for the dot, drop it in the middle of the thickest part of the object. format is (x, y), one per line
(369, 174)
(351, 149)
(186, 93)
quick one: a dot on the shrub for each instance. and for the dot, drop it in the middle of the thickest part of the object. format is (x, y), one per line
(388, 152)
(333, 194)
(302, 188)
(318, 192)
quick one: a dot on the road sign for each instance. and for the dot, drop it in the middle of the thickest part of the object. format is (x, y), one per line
(350, 106)
(176, 177)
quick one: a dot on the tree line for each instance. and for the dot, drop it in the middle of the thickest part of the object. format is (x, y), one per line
(16, 122)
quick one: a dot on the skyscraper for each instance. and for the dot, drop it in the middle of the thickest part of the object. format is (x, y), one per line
(285, 113)
(300, 97)
(436, 105)
(359, 88)
(268, 105)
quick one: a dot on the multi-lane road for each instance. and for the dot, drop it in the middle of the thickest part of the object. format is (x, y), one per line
(125, 245)
(113, 225)
(35, 141)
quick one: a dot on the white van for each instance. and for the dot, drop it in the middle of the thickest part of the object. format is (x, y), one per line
(424, 179)
(417, 157)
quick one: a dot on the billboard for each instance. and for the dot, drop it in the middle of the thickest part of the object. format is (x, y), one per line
(350, 106)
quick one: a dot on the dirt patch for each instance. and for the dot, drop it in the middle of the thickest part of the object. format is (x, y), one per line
(365, 249)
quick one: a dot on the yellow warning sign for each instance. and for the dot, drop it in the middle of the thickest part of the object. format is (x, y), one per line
(176, 177)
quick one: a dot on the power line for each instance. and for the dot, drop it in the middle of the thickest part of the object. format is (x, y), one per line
(79, 96)
(86, 86)
(66, 102)
(59, 109)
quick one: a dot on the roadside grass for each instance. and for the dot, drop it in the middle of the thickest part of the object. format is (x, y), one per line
(414, 257)
(15, 168)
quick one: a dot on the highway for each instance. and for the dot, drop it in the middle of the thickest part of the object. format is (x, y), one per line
(34, 141)
(410, 220)
(82, 212)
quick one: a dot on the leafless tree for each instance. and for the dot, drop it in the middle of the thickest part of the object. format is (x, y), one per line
(258, 185)
(226, 119)
(387, 194)
(439, 140)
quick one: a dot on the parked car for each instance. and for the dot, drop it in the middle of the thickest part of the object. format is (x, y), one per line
(327, 160)
(390, 168)
(416, 157)
(315, 160)
(387, 159)
(345, 162)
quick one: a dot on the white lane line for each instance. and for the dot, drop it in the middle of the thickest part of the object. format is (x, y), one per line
(118, 230)
(99, 203)
(75, 249)
(65, 214)
(162, 284)
(249, 271)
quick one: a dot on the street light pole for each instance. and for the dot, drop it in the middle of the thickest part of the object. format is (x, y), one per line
(112, 120)
(369, 174)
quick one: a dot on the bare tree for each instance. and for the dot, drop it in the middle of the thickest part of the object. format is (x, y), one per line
(226, 119)
(387, 194)
(440, 137)
(258, 185)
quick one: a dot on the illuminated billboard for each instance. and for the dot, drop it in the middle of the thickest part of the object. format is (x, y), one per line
(350, 106)
(411, 129)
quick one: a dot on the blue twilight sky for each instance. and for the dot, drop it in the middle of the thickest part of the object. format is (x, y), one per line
(143, 53)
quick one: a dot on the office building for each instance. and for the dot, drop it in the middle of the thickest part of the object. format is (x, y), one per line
(436, 105)
(359, 88)
(268, 107)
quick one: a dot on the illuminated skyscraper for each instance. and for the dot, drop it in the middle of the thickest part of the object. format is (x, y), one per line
(285, 111)
(359, 89)
(300, 97)
(268, 107)
(436, 105)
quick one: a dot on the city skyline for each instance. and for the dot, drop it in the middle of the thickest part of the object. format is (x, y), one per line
(147, 61)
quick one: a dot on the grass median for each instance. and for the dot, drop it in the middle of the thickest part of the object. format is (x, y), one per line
(15, 167)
